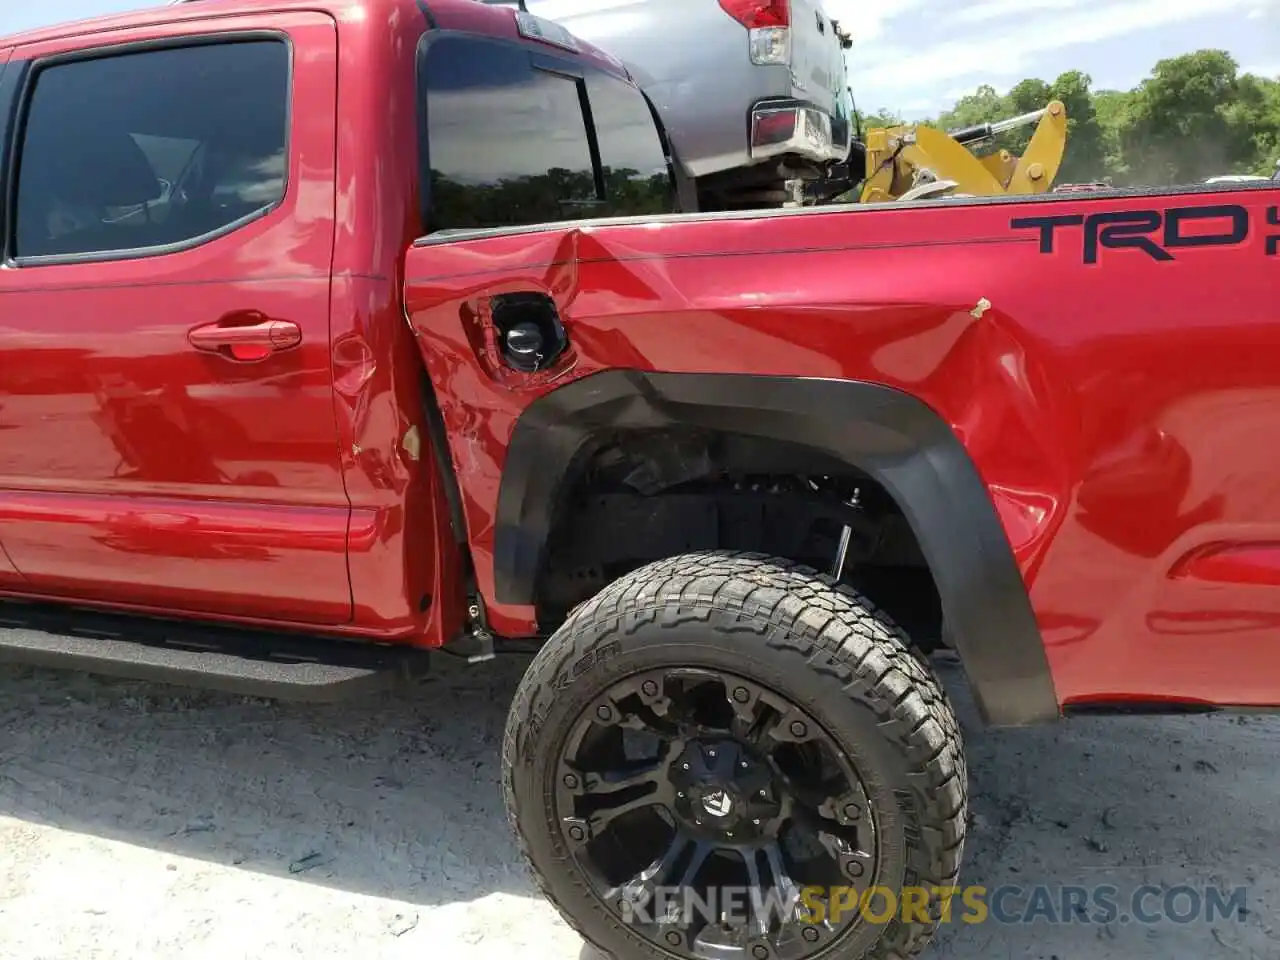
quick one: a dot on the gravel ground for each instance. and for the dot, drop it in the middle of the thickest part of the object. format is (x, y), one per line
(141, 821)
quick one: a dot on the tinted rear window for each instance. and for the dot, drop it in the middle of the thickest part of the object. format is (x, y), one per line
(509, 139)
(637, 179)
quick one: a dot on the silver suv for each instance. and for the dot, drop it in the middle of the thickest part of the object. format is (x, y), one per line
(752, 93)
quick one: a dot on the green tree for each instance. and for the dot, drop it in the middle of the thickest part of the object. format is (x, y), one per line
(1254, 122)
(1086, 157)
(984, 105)
(1180, 129)
(881, 118)
(1193, 117)
(1114, 111)
(1027, 95)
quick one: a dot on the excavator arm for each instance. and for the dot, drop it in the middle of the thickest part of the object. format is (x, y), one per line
(914, 160)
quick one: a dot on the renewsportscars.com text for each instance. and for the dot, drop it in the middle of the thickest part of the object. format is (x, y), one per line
(1101, 904)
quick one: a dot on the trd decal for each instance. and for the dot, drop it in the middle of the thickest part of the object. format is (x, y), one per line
(1157, 233)
(1273, 241)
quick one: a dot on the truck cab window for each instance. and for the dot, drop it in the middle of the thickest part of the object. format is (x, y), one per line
(637, 175)
(153, 149)
(508, 142)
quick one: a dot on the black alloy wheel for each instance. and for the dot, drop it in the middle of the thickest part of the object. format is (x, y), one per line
(716, 748)
(745, 798)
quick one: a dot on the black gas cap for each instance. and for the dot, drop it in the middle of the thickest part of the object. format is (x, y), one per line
(529, 330)
(525, 346)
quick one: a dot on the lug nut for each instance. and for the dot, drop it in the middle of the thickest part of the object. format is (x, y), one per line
(741, 695)
(744, 764)
(680, 794)
(760, 952)
(810, 934)
(649, 688)
(576, 833)
(684, 766)
(763, 792)
(798, 729)
(711, 753)
(603, 712)
(570, 781)
(851, 811)
(673, 939)
(756, 822)
(854, 868)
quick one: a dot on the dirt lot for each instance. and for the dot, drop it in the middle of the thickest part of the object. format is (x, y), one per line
(141, 821)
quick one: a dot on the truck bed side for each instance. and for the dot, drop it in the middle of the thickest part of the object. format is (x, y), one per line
(1107, 363)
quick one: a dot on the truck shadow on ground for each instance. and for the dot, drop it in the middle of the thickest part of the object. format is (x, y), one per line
(393, 796)
(398, 797)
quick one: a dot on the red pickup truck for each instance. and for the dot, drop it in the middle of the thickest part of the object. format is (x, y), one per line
(336, 333)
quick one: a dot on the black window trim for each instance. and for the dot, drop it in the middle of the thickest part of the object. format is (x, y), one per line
(12, 77)
(17, 122)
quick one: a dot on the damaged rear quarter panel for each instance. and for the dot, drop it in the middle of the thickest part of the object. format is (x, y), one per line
(1067, 382)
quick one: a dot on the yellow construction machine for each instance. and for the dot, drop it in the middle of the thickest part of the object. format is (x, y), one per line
(915, 161)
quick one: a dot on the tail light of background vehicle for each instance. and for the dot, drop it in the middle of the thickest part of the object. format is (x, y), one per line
(793, 126)
(768, 24)
(773, 126)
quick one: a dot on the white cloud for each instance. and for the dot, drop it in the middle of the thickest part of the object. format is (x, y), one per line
(1008, 45)
(995, 9)
(867, 21)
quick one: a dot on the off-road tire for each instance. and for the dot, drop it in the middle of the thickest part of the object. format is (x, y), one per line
(821, 645)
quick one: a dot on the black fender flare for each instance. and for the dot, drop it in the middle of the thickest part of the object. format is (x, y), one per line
(892, 436)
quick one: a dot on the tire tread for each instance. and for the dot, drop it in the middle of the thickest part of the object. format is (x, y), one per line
(799, 611)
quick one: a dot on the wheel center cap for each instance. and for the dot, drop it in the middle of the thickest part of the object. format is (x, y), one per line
(718, 803)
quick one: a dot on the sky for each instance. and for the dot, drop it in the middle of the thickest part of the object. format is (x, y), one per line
(916, 57)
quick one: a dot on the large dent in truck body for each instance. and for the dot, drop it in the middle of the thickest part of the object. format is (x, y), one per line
(628, 302)
(400, 581)
(1086, 381)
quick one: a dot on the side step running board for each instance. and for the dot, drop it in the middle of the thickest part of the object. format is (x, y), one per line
(247, 662)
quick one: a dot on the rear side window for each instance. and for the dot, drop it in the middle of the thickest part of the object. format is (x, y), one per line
(634, 162)
(514, 139)
(143, 151)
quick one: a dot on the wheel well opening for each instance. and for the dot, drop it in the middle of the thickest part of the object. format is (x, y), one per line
(635, 496)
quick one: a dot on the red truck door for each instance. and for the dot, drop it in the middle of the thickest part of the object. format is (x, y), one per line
(10, 578)
(167, 434)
